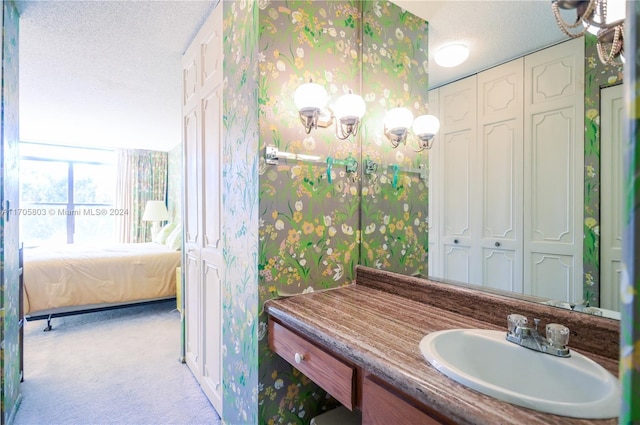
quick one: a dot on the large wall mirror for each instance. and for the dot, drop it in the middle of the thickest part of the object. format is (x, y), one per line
(599, 219)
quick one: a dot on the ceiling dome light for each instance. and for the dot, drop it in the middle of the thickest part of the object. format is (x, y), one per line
(451, 55)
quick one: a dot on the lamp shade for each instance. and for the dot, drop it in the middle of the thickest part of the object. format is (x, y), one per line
(348, 106)
(155, 211)
(398, 118)
(310, 96)
(426, 125)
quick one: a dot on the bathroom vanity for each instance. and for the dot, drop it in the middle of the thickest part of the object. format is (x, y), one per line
(361, 344)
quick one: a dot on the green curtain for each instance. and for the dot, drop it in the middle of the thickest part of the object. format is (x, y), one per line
(142, 177)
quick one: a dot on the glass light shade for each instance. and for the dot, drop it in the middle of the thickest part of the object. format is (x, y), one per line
(348, 106)
(616, 10)
(451, 55)
(398, 118)
(155, 211)
(310, 96)
(426, 125)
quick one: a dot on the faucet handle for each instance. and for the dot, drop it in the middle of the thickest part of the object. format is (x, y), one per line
(514, 321)
(557, 335)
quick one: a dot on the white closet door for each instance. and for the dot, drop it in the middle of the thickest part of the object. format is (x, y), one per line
(193, 312)
(458, 160)
(204, 264)
(611, 137)
(554, 152)
(435, 182)
(497, 205)
(211, 250)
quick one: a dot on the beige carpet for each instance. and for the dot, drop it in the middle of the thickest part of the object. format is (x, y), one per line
(114, 367)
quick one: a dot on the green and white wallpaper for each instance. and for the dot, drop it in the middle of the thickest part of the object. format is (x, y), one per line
(630, 299)
(309, 212)
(9, 290)
(240, 203)
(597, 76)
(300, 221)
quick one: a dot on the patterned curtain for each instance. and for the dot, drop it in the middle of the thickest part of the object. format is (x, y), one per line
(142, 177)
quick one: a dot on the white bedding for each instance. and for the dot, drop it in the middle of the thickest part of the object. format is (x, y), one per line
(74, 275)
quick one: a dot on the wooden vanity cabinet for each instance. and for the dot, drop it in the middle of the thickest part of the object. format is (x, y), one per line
(335, 376)
(347, 383)
(382, 405)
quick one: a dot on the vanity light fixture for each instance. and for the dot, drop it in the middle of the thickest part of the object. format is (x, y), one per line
(425, 127)
(398, 121)
(396, 125)
(604, 18)
(348, 111)
(310, 99)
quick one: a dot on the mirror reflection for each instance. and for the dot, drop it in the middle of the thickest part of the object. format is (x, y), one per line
(514, 206)
(550, 233)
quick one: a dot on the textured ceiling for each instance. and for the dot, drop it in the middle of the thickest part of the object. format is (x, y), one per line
(104, 73)
(107, 73)
(495, 31)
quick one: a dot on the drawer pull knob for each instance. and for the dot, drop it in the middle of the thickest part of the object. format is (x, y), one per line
(299, 358)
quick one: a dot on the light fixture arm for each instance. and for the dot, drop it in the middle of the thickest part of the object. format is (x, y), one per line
(309, 118)
(396, 136)
(424, 142)
(611, 33)
(346, 127)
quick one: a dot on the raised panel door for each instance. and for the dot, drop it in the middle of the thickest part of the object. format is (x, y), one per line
(498, 202)
(212, 169)
(435, 178)
(193, 312)
(192, 180)
(212, 334)
(457, 103)
(203, 202)
(554, 162)
(611, 183)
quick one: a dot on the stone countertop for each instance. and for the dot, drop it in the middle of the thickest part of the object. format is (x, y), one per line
(381, 333)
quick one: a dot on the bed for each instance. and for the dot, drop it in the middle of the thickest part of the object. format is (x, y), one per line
(74, 279)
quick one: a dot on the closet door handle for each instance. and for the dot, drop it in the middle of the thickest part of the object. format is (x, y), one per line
(455, 241)
(497, 243)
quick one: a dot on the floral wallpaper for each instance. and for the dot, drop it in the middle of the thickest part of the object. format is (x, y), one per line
(597, 76)
(630, 300)
(311, 236)
(395, 198)
(240, 203)
(9, 349)
(309, 210)
(174, 183)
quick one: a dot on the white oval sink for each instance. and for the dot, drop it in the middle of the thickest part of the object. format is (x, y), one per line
(486, 362)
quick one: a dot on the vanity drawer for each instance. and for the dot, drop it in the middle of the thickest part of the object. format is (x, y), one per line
(331, 374)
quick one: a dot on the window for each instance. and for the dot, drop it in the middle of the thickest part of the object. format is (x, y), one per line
(65, 194)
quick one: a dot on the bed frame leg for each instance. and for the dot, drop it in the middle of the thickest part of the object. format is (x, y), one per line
(48, 327)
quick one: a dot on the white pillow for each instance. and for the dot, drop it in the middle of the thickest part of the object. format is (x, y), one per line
(174, 240)
(164, 233)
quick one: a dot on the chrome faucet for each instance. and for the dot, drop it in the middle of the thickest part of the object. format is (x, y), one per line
(554, 342)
